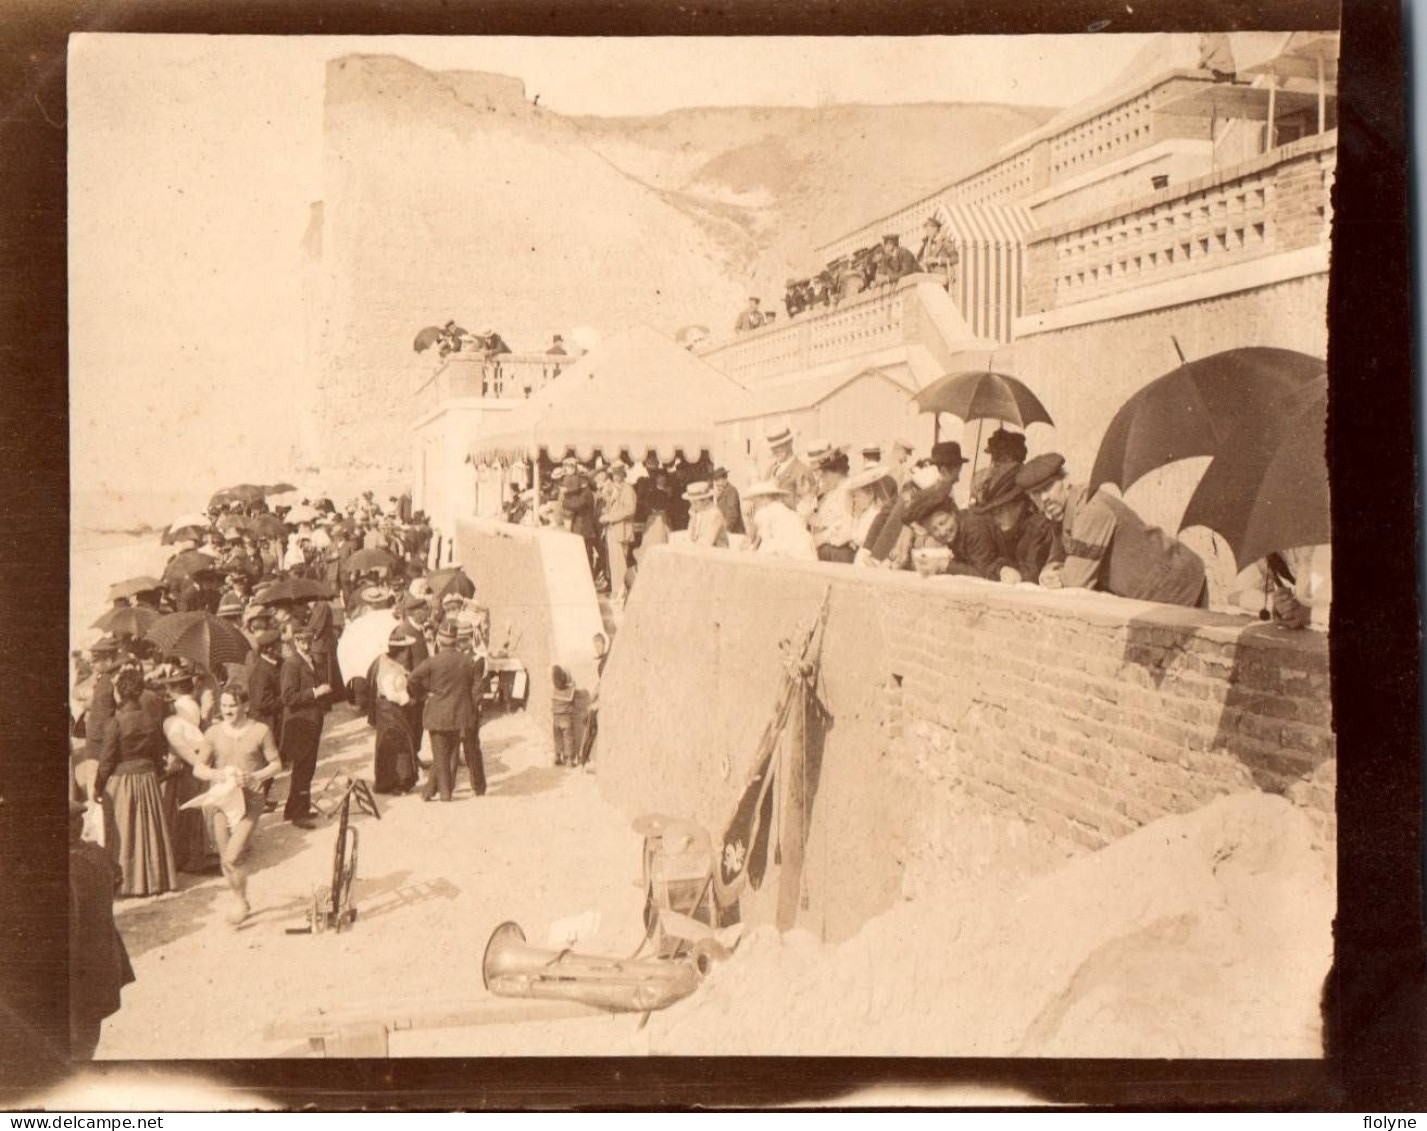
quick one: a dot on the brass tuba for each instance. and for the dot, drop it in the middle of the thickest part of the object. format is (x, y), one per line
(513, 968)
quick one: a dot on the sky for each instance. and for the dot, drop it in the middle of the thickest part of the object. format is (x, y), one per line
(193, 161)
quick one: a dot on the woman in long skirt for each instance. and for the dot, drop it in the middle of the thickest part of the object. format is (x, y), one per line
(127, 784)
(193, 847)
(240, 749)
(395, 766)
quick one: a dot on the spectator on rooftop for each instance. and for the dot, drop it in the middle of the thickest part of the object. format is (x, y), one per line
(751, 318)
(491, 342)
(895, 261)
(938, 254)
(557, 346)
(1103, 544)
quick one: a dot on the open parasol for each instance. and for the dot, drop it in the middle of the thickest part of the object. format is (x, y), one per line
(132, 620)
(301, 513)
(235, 523)
(133, 586)
(241, 493)
(982, 394)
(363, 640)
(267, 526)
(1191, 411)
(188, 563)
(293, 589)
(200, 638)
(452, 580)
(278, 489)
(1268, 489)
(364, 560)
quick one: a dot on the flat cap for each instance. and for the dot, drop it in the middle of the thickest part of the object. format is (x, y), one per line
(1040, 471)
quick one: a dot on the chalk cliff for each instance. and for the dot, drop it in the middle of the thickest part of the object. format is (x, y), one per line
(451, 195)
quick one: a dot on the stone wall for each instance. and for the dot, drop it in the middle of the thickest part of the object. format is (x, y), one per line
(537, 586)
(971, 728)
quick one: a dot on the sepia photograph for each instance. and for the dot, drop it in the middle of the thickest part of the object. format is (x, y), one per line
(683, 547)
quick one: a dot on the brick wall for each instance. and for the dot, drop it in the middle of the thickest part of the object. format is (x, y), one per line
(971, 728)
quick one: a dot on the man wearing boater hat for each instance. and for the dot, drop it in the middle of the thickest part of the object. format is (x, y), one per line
(706, 525)
(1105, 545)
(790, 473)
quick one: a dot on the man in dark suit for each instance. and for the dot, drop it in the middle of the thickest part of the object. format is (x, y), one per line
(99, 965)
(726, 497)
(451, 684)
(304, 705)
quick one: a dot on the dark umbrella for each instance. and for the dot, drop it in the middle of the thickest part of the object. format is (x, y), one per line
(188, 563)
(201, 638)
(235, 522)
(279, 489)
(364, 560)
(293, 589)
(453, 580)
(132, 620)
(427, 338)
(1268, 489)
(243, 493)
(1192, 410)
(983, 394)
(134, 586)
(267, 526)
(183, 534)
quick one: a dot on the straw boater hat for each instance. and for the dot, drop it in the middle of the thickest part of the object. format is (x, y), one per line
(866, 476)
(765, 489)
(778, 435)
(819, 450)
(399, 639)
(453, 598)
(698, 492)
(446, 634)
(378, 597)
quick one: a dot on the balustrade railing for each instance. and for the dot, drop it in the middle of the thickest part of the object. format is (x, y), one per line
(859, 325)
(1273, 203)
(506, 376)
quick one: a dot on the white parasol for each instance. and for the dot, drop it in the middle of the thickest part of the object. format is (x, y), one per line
(363, 640)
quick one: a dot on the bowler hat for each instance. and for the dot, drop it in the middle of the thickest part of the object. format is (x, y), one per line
(267, 636)
(1040, 471)
(1000, 488)
(947, 453)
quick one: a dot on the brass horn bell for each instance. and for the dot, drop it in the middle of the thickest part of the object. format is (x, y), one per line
(513, 968)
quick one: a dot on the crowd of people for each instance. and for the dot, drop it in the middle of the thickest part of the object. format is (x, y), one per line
(1026, 520)
(179, 737)
(879, 265)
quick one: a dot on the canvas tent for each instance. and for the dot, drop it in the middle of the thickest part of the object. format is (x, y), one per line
(638, 390)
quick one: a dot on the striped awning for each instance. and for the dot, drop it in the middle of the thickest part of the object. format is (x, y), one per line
(985, 223)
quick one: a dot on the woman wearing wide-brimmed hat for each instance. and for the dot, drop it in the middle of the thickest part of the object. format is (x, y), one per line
(127, 783)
